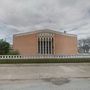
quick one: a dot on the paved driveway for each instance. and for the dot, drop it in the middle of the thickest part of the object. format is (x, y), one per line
(45, 77)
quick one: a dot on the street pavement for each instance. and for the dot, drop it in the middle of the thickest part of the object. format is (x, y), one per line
(45, 76)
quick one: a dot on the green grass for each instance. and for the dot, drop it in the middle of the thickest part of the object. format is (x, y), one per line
(21, 61)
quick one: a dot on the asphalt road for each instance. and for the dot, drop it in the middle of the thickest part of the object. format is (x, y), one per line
(45, 77)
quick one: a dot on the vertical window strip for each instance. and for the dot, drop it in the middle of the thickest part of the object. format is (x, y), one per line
(38, 45)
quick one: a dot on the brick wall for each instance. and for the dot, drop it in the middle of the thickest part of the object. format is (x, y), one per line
(28, 44)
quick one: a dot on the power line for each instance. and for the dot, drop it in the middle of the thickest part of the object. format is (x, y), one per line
(83, 33)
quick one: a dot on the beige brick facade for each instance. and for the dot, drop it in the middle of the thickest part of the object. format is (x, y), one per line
(27, 43)
(65, 44)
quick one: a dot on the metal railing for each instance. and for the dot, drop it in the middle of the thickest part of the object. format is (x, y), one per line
(44, 56)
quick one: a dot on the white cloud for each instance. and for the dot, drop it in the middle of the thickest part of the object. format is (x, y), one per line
(26, 15)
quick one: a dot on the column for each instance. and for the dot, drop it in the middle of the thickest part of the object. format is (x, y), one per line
(51, 45)
(45, 45)
(48, 45)
(40, 44)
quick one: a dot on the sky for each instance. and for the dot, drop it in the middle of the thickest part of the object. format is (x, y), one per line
(18, 16)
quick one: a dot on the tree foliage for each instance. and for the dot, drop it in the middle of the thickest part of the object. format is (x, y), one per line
(4, 47)
(84, 45)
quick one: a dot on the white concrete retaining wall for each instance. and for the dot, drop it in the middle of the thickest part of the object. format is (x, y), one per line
(44, 56)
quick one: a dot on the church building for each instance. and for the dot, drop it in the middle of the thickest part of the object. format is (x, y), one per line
(45, 42)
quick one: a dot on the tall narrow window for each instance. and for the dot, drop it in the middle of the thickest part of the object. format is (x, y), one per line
(39, 45)
(45, 44)
(49, 45)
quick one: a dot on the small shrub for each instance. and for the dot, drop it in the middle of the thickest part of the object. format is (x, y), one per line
(13, 53)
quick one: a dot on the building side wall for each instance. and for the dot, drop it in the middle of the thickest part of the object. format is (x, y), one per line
(26, 44)
(65, 44)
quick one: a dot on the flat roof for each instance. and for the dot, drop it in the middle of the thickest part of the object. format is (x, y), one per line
(45, 31)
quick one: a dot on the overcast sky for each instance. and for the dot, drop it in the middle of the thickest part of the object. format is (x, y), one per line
(60, 15)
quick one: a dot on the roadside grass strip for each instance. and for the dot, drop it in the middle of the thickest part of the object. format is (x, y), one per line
(51, 60)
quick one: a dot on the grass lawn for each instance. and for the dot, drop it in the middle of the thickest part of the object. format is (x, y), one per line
(19, 61)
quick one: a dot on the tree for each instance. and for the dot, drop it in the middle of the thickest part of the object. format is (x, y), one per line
(4, 47)
(84, 45)
(86, 48)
